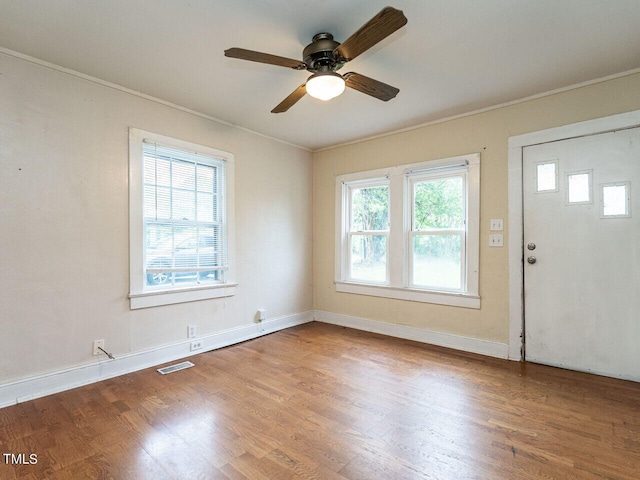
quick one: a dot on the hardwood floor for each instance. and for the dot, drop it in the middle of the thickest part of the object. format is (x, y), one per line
(325, 402)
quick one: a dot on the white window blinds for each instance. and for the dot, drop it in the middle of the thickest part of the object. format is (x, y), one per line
(184, 214)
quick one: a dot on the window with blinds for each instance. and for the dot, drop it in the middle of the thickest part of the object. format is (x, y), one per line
(185, 238)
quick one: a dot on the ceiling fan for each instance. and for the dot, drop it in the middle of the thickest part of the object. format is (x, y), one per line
(323, 57)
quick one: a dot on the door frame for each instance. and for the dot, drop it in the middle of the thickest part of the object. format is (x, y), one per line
(516, 220)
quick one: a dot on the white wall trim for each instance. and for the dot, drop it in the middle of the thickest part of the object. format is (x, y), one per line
(410, 294)
(42, 385)
(515, 247)
(516, 225)
(457, 342)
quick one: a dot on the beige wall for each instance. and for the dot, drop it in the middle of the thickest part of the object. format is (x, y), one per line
(64, 222)
(486, 133)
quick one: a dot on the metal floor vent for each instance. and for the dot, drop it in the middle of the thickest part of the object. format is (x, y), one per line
(176, 367)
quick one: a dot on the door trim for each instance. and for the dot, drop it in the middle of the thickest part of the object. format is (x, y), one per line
(516, 221)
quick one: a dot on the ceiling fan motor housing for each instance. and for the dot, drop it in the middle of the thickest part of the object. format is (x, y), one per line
(319, 56)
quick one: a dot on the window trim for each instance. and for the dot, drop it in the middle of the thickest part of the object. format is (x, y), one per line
(567, 183)
(556, 169)
(400, 211)
(627, 187)
(138, 295)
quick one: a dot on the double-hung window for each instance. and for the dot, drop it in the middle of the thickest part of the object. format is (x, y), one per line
(179, 219)
(411, 232)
(368, 235)
(437, 237)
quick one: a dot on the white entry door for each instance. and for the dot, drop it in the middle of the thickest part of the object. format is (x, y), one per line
(582, 253)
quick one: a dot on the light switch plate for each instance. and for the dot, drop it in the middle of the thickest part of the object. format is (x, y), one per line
(496, 224)
(496, 240)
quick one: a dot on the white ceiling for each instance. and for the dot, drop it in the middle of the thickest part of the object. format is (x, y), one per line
(452, 57)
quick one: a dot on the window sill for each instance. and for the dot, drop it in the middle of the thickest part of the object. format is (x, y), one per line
(410, 294)
(157, 298)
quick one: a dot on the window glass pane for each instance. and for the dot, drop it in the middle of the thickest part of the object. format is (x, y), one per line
(181, 200)
(205, 207)
(205, 178)
(163, 172)
(159, 252)
(546, 177)
(437, 261)
(159, 238)
(370, 208)
(206, 247)
(368, 258)
(149, 170)
(578, 188)
(183, 205)
(183, 175)
(615, 200)
(157, 171)
(438, 203)
(150, 201)
(186, 247)
(179, 247)
(157, 202)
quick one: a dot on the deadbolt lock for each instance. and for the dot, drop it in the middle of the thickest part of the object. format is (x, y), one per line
(531, 246)
(531, 259)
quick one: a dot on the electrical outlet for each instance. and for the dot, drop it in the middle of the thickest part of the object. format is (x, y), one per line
(262, 314)
(96, 345)
(191, 330)
(195, 345)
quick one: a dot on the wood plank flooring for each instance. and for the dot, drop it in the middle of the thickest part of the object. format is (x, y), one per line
(325, 402)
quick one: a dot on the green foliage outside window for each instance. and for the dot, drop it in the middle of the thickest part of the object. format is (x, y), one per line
(370, 211)
(439, 204)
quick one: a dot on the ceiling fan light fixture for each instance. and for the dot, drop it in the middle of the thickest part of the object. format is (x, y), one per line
(325, 85)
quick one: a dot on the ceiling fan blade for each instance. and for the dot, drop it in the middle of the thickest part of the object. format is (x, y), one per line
(288, 102)
(378, 28)
(254, 56)
(372, 87)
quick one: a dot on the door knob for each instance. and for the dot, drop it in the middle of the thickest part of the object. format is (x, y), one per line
(531, 259)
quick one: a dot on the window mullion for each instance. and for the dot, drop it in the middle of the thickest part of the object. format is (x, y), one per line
(396, 251)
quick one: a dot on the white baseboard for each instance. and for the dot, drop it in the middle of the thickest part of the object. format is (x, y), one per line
(457, 342)
(41, 385)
